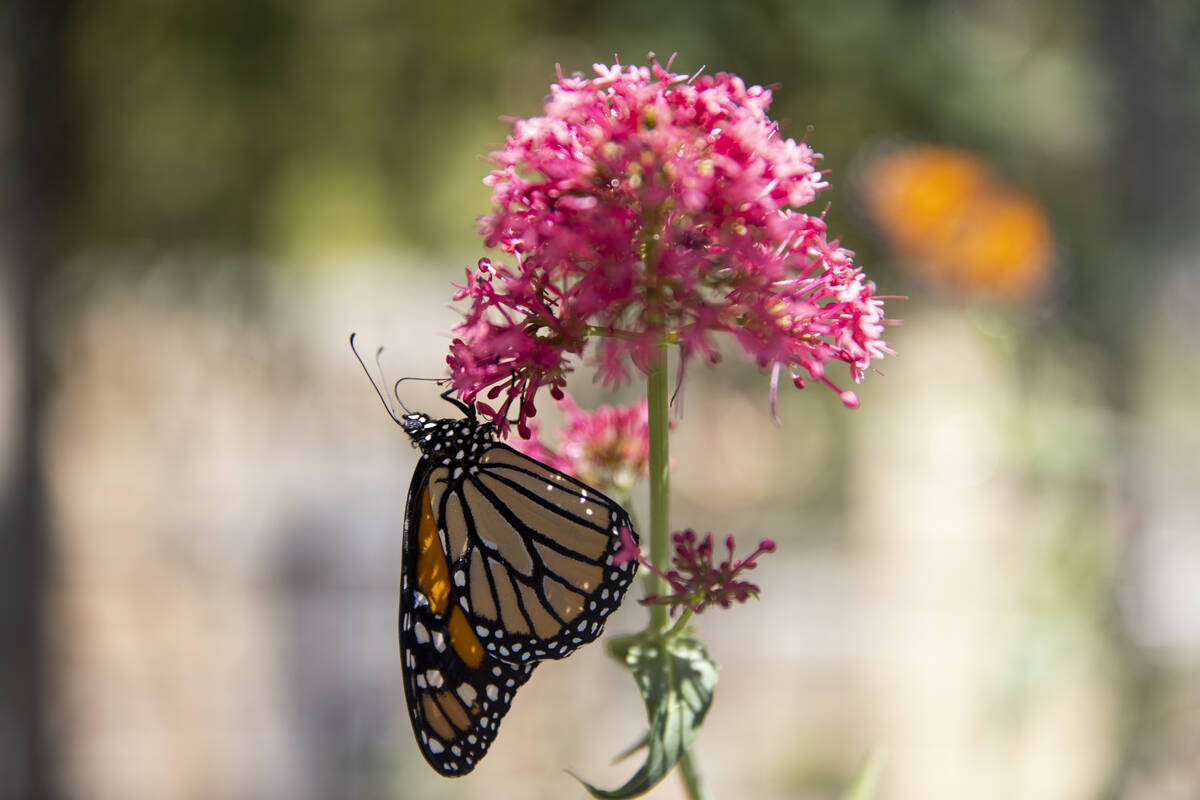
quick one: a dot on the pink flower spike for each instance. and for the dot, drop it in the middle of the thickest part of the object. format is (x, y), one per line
(645, 207)
(533, 446)
(697, 583)
(608, 448)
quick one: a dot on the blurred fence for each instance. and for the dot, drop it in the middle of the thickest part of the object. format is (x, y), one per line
(954, 582)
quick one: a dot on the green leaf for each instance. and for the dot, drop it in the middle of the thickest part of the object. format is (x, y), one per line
(676, 678)
(633, 748)
(866, 780)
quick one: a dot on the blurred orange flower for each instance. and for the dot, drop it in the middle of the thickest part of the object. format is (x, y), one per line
(951, 220)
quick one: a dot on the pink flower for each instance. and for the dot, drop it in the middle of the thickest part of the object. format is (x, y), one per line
(646, 207)
(535, 448)
(629, 550)
(608, 447)
(697, 583)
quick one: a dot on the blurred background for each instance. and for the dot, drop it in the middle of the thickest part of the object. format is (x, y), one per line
(990, 571)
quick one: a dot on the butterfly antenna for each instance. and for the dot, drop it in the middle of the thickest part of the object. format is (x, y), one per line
(383, 398)
(396, 386)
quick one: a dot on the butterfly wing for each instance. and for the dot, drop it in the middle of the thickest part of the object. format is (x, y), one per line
(532, 554)
(457, 692)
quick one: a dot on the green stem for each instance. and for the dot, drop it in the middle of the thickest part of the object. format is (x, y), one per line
(660, 540)
(692, 782)
(658, 399)
(670, 337)
(680, 624)
(660, 486)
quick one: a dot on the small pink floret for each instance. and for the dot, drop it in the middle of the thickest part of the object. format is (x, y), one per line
(628, 551)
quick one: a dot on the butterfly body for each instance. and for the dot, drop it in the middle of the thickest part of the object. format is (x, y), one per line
(507, 562)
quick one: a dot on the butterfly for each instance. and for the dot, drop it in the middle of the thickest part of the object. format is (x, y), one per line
(507, 562)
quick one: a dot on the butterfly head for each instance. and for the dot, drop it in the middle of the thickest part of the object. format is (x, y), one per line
(414, 424)
(451, 441)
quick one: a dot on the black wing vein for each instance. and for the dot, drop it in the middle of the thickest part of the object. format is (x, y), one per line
(531, 534)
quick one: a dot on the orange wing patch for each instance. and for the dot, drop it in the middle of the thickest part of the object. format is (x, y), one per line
(433, 574)
(464, 641)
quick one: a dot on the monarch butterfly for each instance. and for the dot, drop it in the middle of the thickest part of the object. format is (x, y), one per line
(506, 562)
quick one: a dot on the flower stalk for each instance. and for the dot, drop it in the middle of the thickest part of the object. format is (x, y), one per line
(689, 773)
(660, 486)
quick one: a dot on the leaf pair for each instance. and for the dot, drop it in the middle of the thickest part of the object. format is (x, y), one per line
(676, 677)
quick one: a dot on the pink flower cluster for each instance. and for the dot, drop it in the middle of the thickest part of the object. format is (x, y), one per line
(697, 583)
(608, 447)
(647, 207)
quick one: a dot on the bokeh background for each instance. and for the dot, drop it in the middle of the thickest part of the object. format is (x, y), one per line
(989, 572)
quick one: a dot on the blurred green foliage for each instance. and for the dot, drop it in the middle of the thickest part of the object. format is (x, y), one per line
(294, 130)
(335, 123)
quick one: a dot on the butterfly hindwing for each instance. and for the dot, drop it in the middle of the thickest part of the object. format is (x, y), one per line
(537, 558)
